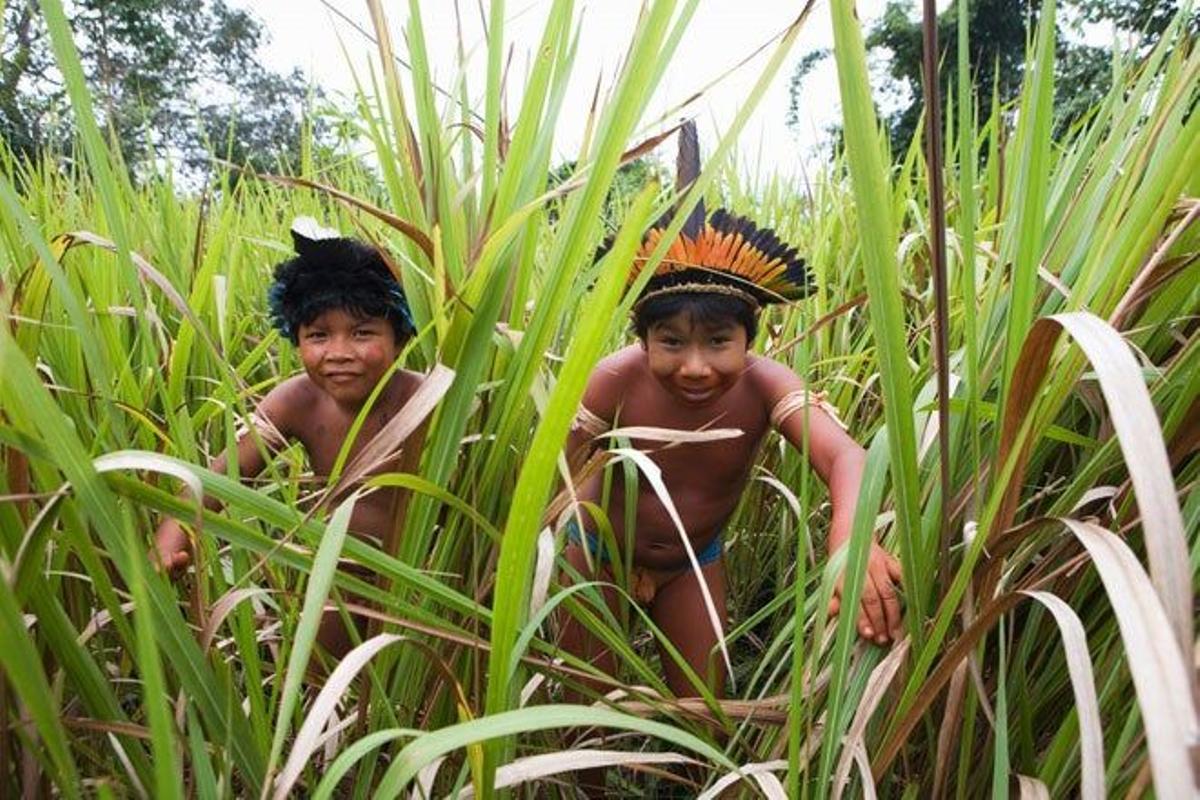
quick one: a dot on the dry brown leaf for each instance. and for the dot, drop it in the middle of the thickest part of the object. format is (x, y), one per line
(1160, 669)
(1139, 434)
(308, 738)
(385, 445)
(1032, 788)
(532, 768)
(744, 771)
(148, 272)
(948, 732)
(222, 609)
(1083, 684)
(673, 435)
(877, 685)
(418, 236)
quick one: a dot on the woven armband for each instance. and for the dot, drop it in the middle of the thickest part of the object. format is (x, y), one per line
(797, 400)
(271, 436)
(589, 423)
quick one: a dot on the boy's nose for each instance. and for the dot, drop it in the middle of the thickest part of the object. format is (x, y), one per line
(694, 366)
(338, 350)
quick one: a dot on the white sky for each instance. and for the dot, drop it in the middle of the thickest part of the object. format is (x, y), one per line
(722, 33)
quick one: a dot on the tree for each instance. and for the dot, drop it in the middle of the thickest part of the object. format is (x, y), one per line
(630, 179)
(997, 53)
(999, 31)
(153, 67)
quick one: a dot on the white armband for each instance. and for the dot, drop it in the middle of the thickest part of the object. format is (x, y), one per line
(798, 399)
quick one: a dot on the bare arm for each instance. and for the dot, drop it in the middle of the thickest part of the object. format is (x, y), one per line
(172, 550)
(840, 460)
(598, 408)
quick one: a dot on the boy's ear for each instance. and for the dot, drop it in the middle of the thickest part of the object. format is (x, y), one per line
(642, 342)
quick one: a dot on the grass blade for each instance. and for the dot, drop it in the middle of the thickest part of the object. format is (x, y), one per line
(315, 594)
(1161, 673)
(1079, 664)
(877, 232)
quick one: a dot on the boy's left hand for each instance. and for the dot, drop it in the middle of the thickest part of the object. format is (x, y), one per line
(879, 614)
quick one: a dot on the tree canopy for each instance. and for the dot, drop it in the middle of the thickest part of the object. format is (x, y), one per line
(999, 31)
(176, 79)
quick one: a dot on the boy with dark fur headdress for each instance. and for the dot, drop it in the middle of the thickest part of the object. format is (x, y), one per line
(338, 302)
(691, 370)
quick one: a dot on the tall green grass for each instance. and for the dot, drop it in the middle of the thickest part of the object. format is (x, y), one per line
(135, 337)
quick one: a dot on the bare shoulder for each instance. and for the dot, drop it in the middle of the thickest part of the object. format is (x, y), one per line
(406, 382)
(771, 380)
(289, 402)
(611, 380)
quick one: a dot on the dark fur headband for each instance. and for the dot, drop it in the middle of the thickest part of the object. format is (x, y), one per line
(332, 271)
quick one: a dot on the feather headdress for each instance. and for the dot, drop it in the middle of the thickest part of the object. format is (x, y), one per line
(722, 253)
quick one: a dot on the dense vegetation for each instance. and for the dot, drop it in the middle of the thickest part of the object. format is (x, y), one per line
(1049, 595)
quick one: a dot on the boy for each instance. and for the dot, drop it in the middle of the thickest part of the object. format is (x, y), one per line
(690, 370)
(339, 304)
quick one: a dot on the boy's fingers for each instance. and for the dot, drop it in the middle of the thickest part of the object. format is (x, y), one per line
(834, 604)
(178, 561)
(895, 572)
(891, 606)
(873, 609)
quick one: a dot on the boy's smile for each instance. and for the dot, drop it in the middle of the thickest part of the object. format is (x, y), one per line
(696, 361)
(345, 355)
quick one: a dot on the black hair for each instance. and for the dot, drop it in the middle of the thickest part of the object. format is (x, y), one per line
(336, 273)
(708, 308)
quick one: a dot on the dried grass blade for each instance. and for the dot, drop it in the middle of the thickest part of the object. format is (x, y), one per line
(1161, 672)
(1083, 684)
(1139, 434)
(672, 435)
(1032, 788)
(222, 609)
(532, 768)
(542, 570)
(384, 446)
(948, 732)
(418, 236)
(864, 771)
(725, 781)
(308, 737)
(877, 685)
(654, 474)
(320, 581)
(148, 272)
(434, 744)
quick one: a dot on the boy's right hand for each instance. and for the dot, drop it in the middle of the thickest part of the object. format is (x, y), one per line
(879, 617)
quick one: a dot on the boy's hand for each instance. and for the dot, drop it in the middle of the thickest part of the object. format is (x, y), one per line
(171, 553)
(879, 614)
(172, 563)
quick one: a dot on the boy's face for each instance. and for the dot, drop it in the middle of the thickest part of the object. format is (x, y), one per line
(696, 362)
(345, 355)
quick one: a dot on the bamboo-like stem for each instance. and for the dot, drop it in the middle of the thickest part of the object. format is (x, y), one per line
(937, 248)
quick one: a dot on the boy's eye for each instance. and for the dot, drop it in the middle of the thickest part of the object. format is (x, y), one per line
(314, 335)
(717, 341)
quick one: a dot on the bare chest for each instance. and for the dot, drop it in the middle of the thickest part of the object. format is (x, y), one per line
(328, 429)
(718, 462)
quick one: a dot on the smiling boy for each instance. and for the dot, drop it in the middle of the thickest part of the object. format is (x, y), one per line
(339, 304)
(691, 369)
